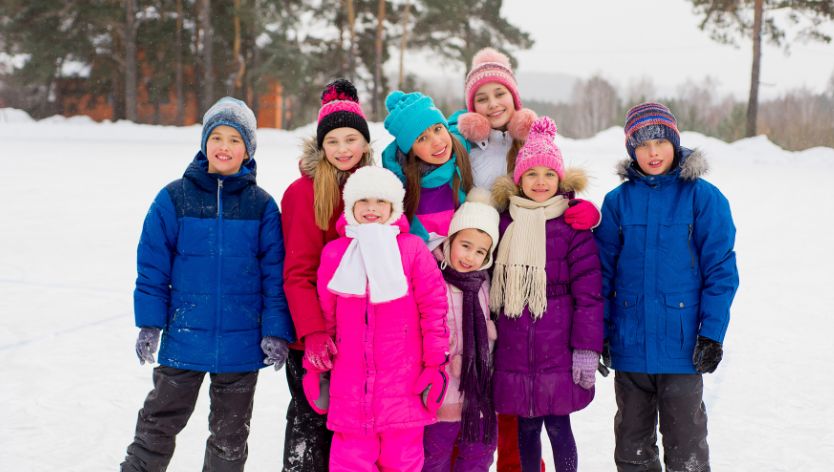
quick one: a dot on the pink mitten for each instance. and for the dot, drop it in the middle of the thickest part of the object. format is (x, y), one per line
(432, 384)
(582, 215)
(316, 385)
(319, 350)
(584, 367)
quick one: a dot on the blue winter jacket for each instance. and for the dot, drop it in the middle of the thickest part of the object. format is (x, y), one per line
(210, 264)
(668, 266)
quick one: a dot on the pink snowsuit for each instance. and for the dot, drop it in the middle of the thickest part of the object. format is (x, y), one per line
(382, 349)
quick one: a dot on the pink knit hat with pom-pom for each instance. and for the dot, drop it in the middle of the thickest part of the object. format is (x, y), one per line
(539, 150)
(340, 109)
(489, 65)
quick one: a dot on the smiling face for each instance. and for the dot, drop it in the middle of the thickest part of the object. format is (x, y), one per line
(495, 102)
(372, 210)
(344, 148)
(655, 156)
(225, 150)
(434, 145)
(539, 183)
(469, 249)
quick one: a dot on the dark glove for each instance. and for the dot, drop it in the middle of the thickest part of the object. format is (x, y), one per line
(605, 359)
(707, 355)
(276, 350)
(431, 384)
(146, 344)
(582, 215)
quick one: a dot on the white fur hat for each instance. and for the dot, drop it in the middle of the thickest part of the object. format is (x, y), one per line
(373, 182)
(476, 212)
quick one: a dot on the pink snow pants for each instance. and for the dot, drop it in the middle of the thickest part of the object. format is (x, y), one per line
(398, 450)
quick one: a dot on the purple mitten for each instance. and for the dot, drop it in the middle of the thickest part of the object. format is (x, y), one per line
(316, 385)
(319, 350)
(431, 384)
(584, 367)
(276, 350)
(146, 344)
(582, 215)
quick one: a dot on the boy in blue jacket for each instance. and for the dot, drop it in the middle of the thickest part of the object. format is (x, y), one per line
(669, 277)
(210, 268)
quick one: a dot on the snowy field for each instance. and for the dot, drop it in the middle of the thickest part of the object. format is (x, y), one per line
(72, 200)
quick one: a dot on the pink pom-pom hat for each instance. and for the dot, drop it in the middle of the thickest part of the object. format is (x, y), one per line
(490, 65)
(539, 150)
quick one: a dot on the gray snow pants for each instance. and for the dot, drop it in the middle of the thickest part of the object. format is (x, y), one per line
(678, 400)
(306, 439)
(169, 406)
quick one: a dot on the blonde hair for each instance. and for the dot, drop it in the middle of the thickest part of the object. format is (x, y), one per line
(327, 187)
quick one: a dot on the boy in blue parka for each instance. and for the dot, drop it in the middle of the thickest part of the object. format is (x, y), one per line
(669, 278)
(210, 265)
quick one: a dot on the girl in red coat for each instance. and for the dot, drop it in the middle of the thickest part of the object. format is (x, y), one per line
(311, 206)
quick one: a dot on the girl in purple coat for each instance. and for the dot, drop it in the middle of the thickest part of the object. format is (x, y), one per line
(547, 290)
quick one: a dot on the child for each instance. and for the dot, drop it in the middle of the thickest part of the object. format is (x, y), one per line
(384, 302)
(466, 420)
(546, 287)
(210, 267)
(432, 163)
(669, 277)
(495, 126)
(312, 205)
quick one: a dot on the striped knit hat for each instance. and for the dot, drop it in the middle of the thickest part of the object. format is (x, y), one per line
(489, 65)
(539, 150)
(650, 121)
(229, 111)
(340, 109)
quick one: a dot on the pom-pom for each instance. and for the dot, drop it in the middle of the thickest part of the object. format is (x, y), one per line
(520, 123)
(544, 125)
(473, 126)
(393, 99)
(339, 89)
(479, 195)
(490, 55)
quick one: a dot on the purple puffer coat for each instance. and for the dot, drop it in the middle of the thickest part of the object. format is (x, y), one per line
(533, 359)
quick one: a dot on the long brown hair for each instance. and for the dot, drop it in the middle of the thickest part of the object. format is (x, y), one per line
(512, 154)
(327, 187)
(413, 177)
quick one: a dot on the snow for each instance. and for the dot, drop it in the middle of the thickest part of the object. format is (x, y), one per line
(74, 195)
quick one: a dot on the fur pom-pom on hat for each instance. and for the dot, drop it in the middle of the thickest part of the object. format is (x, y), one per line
(490, 65)
(373, 182)
(540, 150)
(340, 109)
(476, 212)
(475, 127)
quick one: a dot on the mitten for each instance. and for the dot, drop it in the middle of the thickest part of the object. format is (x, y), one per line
(316, 386)
(582, 215)
(146, 344)
(584, 367)
(319, 350)
(431, 384)
(707, 355)
(276, 350)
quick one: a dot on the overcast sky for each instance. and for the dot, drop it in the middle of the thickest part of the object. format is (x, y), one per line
(626, 39)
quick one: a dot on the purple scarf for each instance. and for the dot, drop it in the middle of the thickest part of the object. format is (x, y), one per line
(478, 415)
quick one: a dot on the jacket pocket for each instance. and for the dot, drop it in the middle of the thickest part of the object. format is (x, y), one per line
(681, 323)
(625, 320)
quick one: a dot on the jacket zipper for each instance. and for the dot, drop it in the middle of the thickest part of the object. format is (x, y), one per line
(689, 246)
(531, 358)
(217, 321)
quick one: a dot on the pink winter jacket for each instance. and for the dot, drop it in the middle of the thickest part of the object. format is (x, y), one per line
(453, 403)
(383, 348)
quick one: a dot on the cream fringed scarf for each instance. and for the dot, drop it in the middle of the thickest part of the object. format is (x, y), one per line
(519, 278)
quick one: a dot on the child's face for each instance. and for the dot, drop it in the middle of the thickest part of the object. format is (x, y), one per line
(539, 183)
(469, 249)
(655, 156)
(434, 145)
(225, 150)
(344, 148)
(495, 102)
(372, 210)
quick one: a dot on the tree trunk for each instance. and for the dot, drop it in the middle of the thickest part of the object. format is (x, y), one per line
(380, 29)
(208, 67)
(753, 103)
(130, 60)
(404, 43)
(180, 119)
(351, 19)
(237, 75)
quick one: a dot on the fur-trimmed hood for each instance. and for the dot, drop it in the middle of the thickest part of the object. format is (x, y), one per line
(574, 180)
(311, 156)
(693, 165)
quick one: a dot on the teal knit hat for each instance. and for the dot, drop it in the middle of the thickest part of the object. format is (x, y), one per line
(409, 114)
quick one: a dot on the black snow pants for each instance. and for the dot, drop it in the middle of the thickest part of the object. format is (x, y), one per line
(678, 400)
(307, 439)
(168, 407)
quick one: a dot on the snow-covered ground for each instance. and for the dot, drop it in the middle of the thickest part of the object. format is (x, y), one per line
(72, 200)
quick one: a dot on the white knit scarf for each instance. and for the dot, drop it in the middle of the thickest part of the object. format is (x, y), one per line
(372, 261)
(519, 278)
